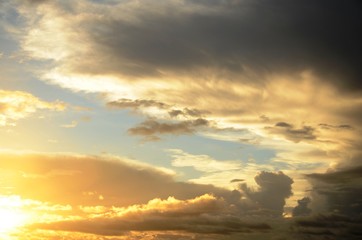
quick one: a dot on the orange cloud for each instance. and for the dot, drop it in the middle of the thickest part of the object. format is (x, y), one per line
(205, 214)
(91, 180)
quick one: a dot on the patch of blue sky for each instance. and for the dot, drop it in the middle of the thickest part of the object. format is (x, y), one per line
(10, 24)
(219, 149)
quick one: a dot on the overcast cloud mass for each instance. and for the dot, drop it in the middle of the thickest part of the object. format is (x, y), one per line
(180, 119)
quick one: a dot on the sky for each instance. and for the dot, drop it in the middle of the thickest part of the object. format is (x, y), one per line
(180, 119)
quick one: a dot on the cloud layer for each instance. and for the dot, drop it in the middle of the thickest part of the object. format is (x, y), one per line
(87, 180)
(239, 64)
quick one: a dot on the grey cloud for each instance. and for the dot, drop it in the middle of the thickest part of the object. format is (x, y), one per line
(335, 127)
(266, 36)
(287, 130)
(283, 124)
(186, 112)
(342, 189)
(135, 104)
(36, 1)
(274, 188)
(175, 113)
(146, 103)
(302, 208)
(331, 226)
(152, 128)
(237, 180)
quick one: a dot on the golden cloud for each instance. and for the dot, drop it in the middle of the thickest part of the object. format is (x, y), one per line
(15, 105)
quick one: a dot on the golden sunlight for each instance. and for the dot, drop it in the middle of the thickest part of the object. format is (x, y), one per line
(11, 214)
(11, 219)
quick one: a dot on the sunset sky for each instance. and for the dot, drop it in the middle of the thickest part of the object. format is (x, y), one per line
(180, 119)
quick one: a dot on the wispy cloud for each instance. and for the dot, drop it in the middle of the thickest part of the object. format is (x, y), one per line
(73, 124)
(15, 105)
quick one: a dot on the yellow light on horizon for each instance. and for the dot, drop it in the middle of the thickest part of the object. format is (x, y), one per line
(11, 219)
(12, 214)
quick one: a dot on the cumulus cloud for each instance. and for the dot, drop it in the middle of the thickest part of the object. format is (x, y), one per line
(339, 190)
(302, 208)
(274, 189)
(208, 215)
(204, 214)
(15, 105)
(96, 195)
(111, 196)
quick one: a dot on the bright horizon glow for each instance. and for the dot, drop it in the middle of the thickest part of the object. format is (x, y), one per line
(13, 215)
(11, 219)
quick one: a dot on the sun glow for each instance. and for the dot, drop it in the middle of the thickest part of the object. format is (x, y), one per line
(12, 215)
(11, 219)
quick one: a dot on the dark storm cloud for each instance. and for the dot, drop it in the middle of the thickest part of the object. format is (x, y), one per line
(292, 133)
(331, 226)
(274, 188)
(302, 209)
(150, 129)
(278, 36)
(342, 190)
